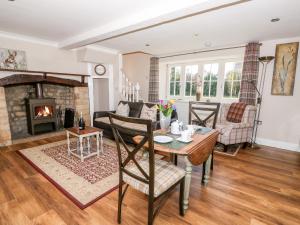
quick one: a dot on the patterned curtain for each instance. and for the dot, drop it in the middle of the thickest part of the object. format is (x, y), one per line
(250, 73)
(153, 80)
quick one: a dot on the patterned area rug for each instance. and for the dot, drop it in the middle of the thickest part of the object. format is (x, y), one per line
(82, 182)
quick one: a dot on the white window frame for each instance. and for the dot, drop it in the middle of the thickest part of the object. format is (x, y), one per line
(220, 83)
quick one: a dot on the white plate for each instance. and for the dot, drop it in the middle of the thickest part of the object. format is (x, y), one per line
(162, 139)
(184, 140)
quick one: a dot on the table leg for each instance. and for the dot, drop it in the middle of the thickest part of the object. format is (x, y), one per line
(81, 149)
(187, 185)
(97, 141)
(206, 170)
(101, 142)
(89, 145)
(68, 141)
(78, 146)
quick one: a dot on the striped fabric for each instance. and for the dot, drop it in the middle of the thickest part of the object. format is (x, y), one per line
(154, 80)
(166, 175)
(250, 73)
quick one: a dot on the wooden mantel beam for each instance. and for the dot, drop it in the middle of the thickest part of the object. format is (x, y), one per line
(18, 79)
(45, 73)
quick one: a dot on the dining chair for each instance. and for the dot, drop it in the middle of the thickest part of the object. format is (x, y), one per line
(204, 114)
(149, 175)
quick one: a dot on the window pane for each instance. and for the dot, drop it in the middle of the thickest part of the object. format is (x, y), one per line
(177, 73)
(233, 74)
(236, 89)
(213, 89)
(233, 70)
(194, 89)
(187, 77)
(177, 88)
(172, 78)
(172, 88)
(211, 76)
(227, 89)
(206, 89)
(187, 89)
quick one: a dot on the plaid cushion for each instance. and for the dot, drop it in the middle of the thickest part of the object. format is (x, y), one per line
(236, 112)
(166, 174)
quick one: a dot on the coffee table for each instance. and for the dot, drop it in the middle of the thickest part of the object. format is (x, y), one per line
(82, 151)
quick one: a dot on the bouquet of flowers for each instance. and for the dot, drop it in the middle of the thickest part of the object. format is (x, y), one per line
(166, 108)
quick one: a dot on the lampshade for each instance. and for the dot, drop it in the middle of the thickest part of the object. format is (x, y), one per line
(266, 59)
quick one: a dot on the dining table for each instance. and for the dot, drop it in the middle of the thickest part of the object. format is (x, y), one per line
(196, 152)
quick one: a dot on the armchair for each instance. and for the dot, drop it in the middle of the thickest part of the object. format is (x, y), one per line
(234, 133)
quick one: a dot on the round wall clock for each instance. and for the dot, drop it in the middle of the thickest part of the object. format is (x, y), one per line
(100, 69)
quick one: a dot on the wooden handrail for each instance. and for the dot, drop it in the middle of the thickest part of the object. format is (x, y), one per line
(44, 73)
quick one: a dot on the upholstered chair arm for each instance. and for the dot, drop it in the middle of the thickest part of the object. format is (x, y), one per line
(249, 115)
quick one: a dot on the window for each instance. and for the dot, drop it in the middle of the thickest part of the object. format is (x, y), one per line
(191, 72)
(210, 80)
(232, 81)
(175, 80)
(218, 80)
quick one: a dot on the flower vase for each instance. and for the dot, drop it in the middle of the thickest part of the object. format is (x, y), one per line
(165, 121)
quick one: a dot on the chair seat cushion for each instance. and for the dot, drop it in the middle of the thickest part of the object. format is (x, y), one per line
(165, 175)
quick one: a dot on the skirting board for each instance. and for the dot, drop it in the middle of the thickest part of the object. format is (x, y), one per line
(278, 144)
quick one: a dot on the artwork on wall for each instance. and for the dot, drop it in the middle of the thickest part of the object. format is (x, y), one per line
(12, 59)
(285, 69)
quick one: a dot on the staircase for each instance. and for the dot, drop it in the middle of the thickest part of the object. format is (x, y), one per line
(129, 91)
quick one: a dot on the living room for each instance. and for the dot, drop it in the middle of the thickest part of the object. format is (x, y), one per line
(196, 101)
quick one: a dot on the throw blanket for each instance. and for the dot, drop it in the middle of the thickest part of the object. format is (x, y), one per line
(236, 112)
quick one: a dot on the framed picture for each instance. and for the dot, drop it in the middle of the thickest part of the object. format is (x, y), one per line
(12, 59)
(285, 69)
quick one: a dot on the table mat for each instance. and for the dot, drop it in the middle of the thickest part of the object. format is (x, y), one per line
(177, 145)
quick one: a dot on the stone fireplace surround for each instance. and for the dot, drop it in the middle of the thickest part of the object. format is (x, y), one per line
(13, 120)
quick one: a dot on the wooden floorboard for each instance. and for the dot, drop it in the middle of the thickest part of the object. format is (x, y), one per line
(256, 187)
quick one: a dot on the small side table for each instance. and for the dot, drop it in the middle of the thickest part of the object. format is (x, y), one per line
(87, 133)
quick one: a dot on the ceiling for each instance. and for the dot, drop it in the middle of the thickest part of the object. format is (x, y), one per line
(234, 25)
(75, 23)
(58, 20)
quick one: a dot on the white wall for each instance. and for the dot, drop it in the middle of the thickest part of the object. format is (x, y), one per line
(280, 114)
(45, 58)
(136, 67)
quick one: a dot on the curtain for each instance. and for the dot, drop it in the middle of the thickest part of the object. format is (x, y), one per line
(250, 74)
(153, 80)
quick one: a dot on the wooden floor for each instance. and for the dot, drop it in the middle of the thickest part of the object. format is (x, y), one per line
(256, 187)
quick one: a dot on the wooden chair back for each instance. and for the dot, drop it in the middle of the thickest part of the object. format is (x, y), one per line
(210, 109)
(117, 122)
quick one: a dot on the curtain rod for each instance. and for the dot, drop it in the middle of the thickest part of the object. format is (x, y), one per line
(203, 51)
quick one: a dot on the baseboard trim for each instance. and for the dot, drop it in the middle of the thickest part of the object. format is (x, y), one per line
(278, 144)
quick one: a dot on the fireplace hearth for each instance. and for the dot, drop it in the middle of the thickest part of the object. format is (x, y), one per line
(41, 113)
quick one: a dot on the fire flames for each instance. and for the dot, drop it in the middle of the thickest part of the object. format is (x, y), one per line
(43, 111)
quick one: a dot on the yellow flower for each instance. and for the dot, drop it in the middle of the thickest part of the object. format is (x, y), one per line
(156, 107)
(172, 101)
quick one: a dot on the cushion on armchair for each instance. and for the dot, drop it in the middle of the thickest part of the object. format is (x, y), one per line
(236, 112)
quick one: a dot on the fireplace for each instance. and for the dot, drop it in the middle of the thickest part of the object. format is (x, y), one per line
(41, 113)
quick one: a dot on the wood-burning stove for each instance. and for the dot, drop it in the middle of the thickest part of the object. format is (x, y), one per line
(41, 113)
